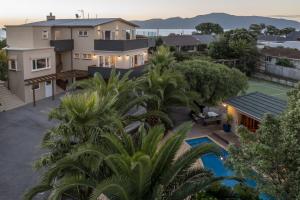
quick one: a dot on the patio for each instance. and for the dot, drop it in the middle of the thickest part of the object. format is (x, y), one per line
(213, 131)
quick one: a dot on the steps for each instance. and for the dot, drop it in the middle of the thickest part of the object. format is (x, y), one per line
(8, 100)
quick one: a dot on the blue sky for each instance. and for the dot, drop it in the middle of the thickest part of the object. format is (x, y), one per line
(19, 11)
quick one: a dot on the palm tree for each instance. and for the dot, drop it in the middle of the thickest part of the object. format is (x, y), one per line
(166, 89)
(163, 58)
(101, 107)
(129, 167)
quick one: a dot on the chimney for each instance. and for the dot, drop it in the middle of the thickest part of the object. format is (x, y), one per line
(50, 17)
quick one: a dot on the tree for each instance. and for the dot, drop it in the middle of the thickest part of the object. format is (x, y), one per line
(101, 107)
(239, 44)
(162, 58)
(209, 28)
(166, 88)
(2, 44)
(213, 82)
(141, 166)
(273, 152)
(287, 31)
(272, 30)
(257, 28)
(3, 65)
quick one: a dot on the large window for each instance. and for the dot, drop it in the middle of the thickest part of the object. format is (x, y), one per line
(12, 64)
(40, 64)
(107, 61)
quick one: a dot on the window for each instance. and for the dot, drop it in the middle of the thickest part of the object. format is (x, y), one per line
(128, 34)
(86, 56)
(83, 33)
(36, 86)
(45, 35)
(106, 60)
(107, 35)
(76, 55)
(12, 63)
(101, 61)
(40, 64)
(268, 59)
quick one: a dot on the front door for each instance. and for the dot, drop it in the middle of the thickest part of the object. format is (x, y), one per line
(48, 88)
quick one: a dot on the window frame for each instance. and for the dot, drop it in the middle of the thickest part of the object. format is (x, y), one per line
(45, 34)
(83, 33)
(9, 64)
(47, 62)
(87, 56)
(76, 57)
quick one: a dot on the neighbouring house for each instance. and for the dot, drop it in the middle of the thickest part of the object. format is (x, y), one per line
(206, 39)
(248, 110)
(182, 43)
(281, 62)
(45, 56)
(292, 40)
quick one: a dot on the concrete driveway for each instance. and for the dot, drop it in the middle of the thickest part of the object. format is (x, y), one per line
(21, 132)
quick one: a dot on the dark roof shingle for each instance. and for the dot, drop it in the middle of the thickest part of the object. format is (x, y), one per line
(257, 104)
(180, 40)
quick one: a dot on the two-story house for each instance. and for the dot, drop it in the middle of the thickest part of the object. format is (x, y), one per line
(44, 56)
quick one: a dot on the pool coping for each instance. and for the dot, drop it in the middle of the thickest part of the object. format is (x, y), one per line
(209, 137)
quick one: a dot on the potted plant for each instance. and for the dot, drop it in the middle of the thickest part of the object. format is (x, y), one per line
(227, 124)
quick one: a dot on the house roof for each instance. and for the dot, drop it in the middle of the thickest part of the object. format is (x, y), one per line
(205, 39)
(257, 104)
(180, 40)
(294, 36)
(77, 22)
(271, 38)
(281, 52)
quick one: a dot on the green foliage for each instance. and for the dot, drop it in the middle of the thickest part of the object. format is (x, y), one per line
(272, 30)
(287, 31)
(257, 28)
(209, 28)
(139, 166)
(3, 65)
(237, 44)
(285, 62)
(213, 82)
(162, 58)
(273, 152)
(166, 88)
(2, 44)
(220, 192)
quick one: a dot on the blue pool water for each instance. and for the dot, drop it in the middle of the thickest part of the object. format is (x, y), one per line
(215, 164)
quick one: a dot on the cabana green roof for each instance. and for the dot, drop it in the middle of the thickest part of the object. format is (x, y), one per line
(256, 105)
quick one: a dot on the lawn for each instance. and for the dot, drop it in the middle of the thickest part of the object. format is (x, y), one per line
(268, 88)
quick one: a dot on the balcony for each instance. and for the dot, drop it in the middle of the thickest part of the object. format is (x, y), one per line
(105, 71)
(120, 45)
(62, 45)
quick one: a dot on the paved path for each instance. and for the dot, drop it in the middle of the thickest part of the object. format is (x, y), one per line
(21, 132)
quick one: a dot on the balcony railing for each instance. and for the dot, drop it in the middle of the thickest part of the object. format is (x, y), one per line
(105, 71)
(62, 45)
(120, 45)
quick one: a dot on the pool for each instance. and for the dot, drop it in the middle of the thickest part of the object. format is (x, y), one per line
(216, 164)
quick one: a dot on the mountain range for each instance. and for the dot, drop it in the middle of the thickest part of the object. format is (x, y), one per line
(227, 21)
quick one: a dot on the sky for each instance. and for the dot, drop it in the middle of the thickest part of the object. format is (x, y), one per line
(20, 11)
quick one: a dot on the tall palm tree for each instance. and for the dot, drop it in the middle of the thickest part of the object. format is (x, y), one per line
(129, 167)
(163, 58)
(101, 107)
(166, 88)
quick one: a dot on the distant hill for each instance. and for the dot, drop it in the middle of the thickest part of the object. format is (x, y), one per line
(225, 20)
